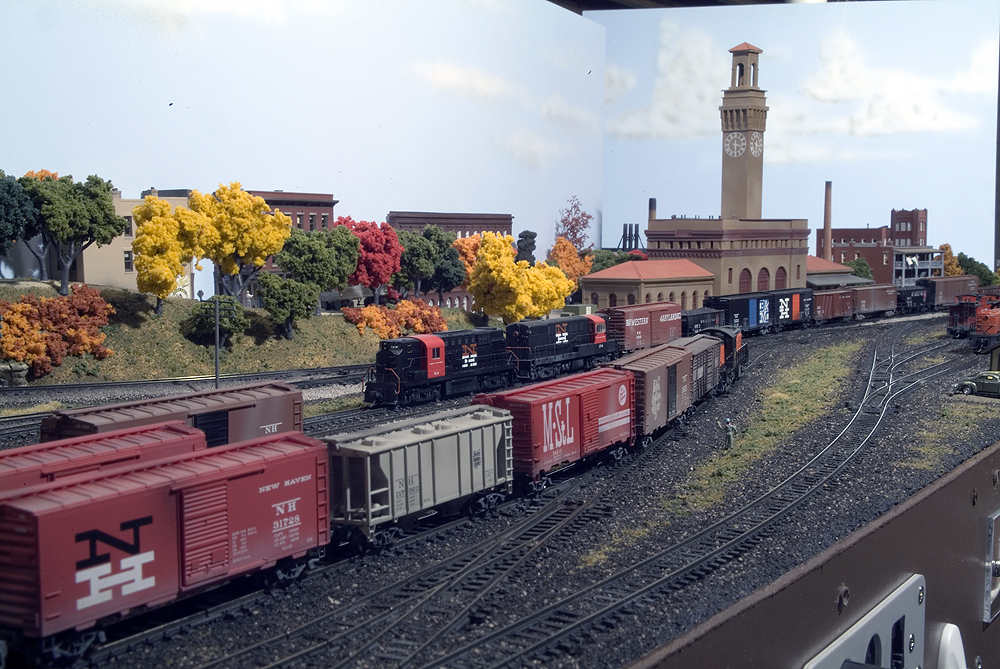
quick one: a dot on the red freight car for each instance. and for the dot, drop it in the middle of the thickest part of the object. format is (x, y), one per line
(560, 422)
(833, 305)
(74, 554)
(122, 449)
(877, 300)
(225, 415)
(640, 326)
(662, 386)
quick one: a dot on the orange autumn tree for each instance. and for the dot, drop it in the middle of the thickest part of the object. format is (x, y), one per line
(468, 249)
(951, 266)
(565, 256)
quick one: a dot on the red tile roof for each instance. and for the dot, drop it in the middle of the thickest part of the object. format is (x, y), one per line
(821, 265)
(746, 46)
(653, 270)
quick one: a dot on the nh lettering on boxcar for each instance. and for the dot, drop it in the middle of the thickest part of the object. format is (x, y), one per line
(97, 570)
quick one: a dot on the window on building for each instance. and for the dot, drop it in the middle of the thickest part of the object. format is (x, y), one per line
(448, 302)
(857, 255)
(298, 220)
(798, 272)
(612, 300)
(128, 262)
(780, 279)
(649, 298)
(631, 298)
(730, 276)
(670, 298)
(763, 279)
(746, 280)
(465, 302)
(324, 222)
(312, 222)
(684, 300)
(128, 226)
(885, 258)
(843, 258)
(595, 299)
(659, 297)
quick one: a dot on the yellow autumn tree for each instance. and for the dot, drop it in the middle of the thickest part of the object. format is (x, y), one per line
(951, 266)
(238, 233)
(514, 290)
(565, 256)
(159, 251)
(468, 249)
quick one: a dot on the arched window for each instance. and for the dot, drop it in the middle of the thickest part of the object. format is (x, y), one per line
(659, 297)
(745, 279)
(763, 279)
(448, 302)
(670, 298)
(430, 303)
(465, 303)
(595, 299)
(612, 300)
(649, 298)
(684, 300)
(780, 279)
(631, 298)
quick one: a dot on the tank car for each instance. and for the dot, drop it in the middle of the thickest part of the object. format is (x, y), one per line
(429, 367)
(224, 414)
(544, 349)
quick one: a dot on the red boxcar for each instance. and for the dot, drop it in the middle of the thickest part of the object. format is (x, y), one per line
(662, 385)
(833, 305)
(874, 300)
(122, 449)
(225, 415)
(640, 326)
(74, 554)
(560, 422)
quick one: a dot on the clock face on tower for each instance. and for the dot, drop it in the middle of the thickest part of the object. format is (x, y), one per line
(756, 144)
(735, 144)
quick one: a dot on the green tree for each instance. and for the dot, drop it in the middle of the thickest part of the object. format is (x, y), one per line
(417, 263)
(860, 268)
(17, 213)
(604, 259)
(199, 326)
(526, 247)
(449, 273)
(72, 216)
(972, 266)
(323, 258)
(287, 300)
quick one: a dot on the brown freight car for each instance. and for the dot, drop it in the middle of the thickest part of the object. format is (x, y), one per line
(662, 387)
(557, 423)
(640, 326)
(77, 553)
(95, 453)
(833, 305)
(875, 301)
(943, 290)
(225, 415)
(707, 359)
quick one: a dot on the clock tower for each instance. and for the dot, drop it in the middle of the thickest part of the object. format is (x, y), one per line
(743, 117)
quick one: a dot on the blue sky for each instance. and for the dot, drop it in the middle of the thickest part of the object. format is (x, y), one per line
(512, 106)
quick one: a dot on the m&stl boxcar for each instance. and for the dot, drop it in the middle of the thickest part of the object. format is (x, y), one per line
(225, 415)
(384, 478)
(557, 423)
(94, 453)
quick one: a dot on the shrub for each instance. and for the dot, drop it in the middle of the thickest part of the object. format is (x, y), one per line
(413, 316)
(199, 326)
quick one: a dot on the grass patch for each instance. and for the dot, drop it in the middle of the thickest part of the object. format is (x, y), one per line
(601, 554)
(799, 395)
(48, 406)
(336, 404)
(958, 419)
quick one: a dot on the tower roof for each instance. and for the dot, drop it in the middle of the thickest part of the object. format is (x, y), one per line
(745, 46)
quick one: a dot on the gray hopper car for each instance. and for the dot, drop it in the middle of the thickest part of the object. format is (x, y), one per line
(385, 479)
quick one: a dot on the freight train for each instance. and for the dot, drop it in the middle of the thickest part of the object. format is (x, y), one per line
(424, 368)
(107, 524)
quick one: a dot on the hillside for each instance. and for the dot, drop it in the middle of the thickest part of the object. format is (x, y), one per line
(148, 346)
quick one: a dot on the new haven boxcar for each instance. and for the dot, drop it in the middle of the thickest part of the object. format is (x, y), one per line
(225, 415)
(662, 386)
(560, 422)
(750, 312)
(121, 449)
(81, 552)
(384, 478)
(833, 305)
(877, 300)
(792, 307)
(942, 290)
(694, 321)
(640, 326)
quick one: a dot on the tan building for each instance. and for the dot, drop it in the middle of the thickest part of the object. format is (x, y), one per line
(643, 281)
(743, 251)
(113, 264)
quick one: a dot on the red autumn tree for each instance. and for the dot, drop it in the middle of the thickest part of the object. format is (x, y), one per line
(574, 224)
(379, 255)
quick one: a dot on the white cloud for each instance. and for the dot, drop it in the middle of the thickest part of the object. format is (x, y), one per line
(471, 82)
(617, 82)
(557, 111)
(981, 77)
(691, 70)
(530, 148)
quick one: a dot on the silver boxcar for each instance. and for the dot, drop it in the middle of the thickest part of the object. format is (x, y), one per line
(386, 477)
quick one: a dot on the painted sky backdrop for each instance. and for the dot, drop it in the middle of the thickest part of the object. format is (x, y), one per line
(893, 102)
(512, 106)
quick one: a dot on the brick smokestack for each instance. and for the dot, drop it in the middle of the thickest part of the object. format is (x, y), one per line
(828, 222)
